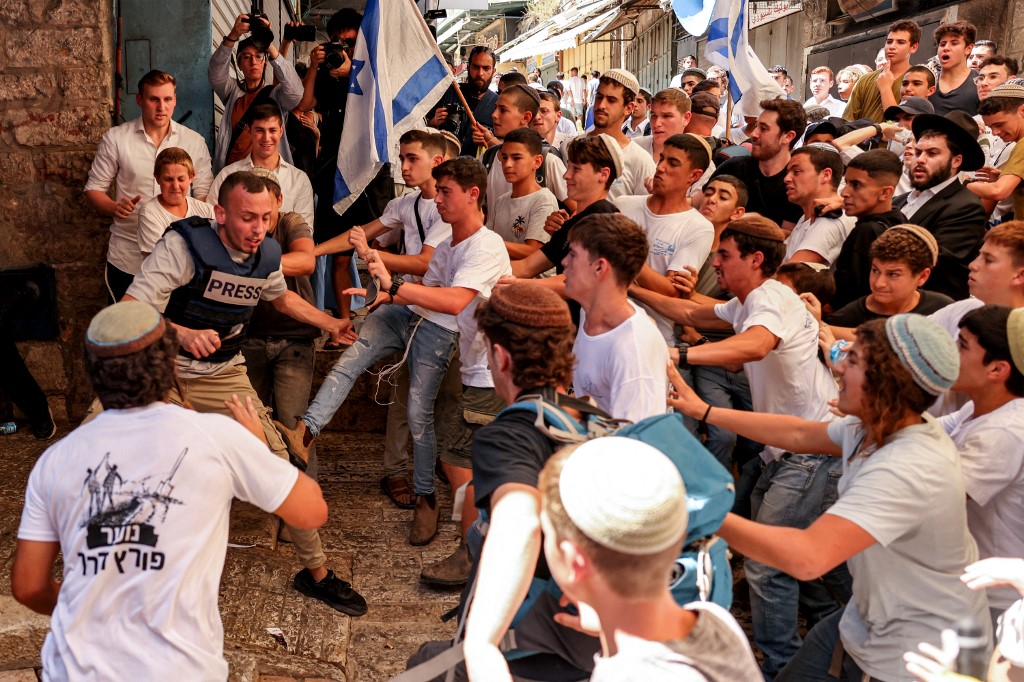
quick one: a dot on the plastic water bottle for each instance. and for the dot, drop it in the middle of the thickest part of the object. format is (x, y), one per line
(973, 658)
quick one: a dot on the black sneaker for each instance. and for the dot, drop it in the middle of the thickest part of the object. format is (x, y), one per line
(332, 591)
(46, 429)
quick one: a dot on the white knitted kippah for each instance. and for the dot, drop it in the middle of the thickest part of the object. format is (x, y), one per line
(624, 495)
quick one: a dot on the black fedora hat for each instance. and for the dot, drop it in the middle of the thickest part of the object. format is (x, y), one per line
(958, 127)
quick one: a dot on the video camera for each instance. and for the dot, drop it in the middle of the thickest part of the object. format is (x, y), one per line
(262, 37)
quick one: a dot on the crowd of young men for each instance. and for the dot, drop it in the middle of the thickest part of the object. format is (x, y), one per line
(609, 266)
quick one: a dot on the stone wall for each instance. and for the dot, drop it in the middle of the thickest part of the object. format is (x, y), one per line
(55, 102)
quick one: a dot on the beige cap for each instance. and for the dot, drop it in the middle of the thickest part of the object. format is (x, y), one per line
(124, 328)
(623, 78)
(625, 495)
(1015, 337)
(924, 235)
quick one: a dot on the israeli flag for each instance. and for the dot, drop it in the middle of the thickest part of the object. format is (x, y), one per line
(398, 74)
(727, 47)
(693, 15)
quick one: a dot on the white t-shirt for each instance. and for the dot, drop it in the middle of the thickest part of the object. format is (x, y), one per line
(474, 263)
(296, 190)
(674, 241)
(400, 216)
(517, 219)
(715, 650)
(139, 500)
(790, 379)
(554, 179)
(909, 496)
(623, 369)
(154, 220)
(992, 456)
(170, 267)
(125, 159)
(637, 166)
(823, 236)
(579, 90)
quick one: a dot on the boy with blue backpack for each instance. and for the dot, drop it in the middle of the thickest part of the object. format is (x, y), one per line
(529, 340)
(611, 537)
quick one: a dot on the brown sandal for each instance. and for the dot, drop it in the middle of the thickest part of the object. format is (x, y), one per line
(397, 489)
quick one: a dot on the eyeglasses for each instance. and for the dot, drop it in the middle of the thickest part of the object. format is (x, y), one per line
(250, 57)
(986, 77)
(838, 352)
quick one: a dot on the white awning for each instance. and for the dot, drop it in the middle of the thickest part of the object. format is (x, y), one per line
(561, 32)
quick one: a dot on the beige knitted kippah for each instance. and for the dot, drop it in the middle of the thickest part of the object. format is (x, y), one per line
(625, 495)
(1015, 337)
(756, 225)
(924, 235)
(124, 328)
(530, 305)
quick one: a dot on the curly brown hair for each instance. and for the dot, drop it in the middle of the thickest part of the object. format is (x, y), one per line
(541, 356)
(902, 246)
(135, 380)
(889, 391)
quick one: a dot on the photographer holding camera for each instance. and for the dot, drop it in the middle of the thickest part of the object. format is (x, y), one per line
(449, 113)
(332, 64)
(233, 141)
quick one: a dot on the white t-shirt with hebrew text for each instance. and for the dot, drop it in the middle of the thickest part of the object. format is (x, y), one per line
(139, 500)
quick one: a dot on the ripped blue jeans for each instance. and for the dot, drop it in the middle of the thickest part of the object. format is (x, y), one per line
(391, 329)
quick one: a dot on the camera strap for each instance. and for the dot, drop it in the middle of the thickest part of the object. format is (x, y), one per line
(262, 97)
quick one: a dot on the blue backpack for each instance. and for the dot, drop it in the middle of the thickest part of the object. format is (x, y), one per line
(702, 571)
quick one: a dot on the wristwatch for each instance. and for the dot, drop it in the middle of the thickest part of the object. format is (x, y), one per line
(396, 282)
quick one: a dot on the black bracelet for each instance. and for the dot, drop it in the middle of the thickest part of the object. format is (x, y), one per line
(704, 419)
(230, 40)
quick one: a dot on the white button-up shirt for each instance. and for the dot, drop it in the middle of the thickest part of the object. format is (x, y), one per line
(917, 198)
(126, 157)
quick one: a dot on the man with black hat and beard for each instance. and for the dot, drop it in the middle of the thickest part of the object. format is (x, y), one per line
(944, 146)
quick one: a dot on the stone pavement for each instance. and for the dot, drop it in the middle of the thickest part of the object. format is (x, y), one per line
(365, 540)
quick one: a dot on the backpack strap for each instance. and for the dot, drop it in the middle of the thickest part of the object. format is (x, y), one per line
(262, 97)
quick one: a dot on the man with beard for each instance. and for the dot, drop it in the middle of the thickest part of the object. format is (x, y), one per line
(952, 213)
(478, 97)
(780, 124)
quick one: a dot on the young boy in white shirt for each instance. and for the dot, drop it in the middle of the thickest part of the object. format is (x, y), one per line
(989, 434)
(174, 174)
(611, 536)
(677, 234)
(519, 216)
(411, 220)
(620, 353)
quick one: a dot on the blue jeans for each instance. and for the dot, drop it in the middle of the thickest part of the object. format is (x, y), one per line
(391, 329)
(281, 372)
(812, 662)
(793, 492)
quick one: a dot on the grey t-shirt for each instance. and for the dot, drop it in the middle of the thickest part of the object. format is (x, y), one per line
(517, 219)
(715, 651)
(909, 496)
